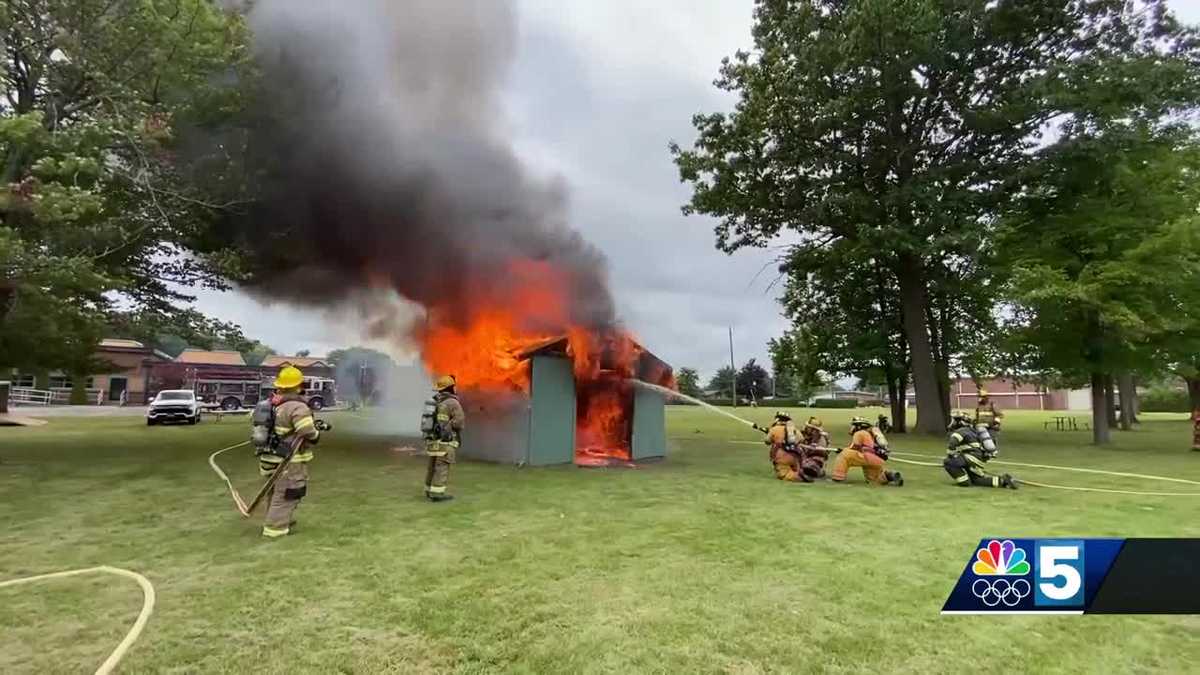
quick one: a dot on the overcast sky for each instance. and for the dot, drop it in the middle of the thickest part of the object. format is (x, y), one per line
(598, 91)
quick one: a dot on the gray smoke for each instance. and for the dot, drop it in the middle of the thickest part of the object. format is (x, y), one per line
(377, 152)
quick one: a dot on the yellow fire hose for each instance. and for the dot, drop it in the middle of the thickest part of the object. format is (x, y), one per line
(135, 631)
(238, 502)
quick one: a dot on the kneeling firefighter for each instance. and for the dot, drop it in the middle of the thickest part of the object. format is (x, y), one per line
(815, 450)
(968, 451)
(868, 449)
(784, 439)
(442, 424)
(283, 433)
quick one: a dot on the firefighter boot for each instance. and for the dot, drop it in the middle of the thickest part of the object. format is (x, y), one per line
(895, 478)
(1008, 481)
(435, 498)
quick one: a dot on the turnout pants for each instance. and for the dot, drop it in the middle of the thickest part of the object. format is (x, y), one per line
(285, 497)
(872, 466)
(967, 469)
(787, 465)
(437, 475)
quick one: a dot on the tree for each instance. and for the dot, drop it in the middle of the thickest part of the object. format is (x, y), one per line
(303, 353)
(722, 382)
(894, 129)
(753, 380)
(688, 381)
(795, 361)
(98, 97)
(361, 371)
(1114, 208)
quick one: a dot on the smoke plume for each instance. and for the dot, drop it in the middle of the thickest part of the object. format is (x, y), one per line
(379, 157)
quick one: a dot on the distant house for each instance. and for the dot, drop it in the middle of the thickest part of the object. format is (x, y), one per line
(1008, 394)
(220, 357)
(312, 366)
(128, 376)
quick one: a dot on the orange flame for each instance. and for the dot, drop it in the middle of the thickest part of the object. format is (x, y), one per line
(481, 346)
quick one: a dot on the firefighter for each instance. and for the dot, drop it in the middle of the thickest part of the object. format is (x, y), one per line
(986, 412)
(865, 452)
(784, 441)
(294, 426)
(442, 441)
(968, 451)
(815, 448)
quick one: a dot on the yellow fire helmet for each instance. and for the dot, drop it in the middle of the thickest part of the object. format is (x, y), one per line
(289, 377)
(983, 393)
(444, 382)
(814, 422)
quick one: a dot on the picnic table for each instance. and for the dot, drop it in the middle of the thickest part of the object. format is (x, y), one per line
(1065, 423)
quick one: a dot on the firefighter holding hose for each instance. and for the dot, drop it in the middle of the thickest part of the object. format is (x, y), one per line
(442, 424)
(968, 450)
(290, 432)
(784, 440)
(866, 451)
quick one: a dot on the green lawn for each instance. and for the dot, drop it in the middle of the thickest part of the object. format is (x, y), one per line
(701, 563)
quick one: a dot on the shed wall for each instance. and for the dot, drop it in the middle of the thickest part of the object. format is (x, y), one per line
(552, 416)
(649, 425)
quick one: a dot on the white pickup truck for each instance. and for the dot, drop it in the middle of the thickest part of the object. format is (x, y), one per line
(173, 405)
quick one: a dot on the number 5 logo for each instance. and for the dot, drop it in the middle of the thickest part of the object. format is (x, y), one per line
(1059, 573)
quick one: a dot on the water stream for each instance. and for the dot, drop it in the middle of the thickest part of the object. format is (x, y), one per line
(671, 393)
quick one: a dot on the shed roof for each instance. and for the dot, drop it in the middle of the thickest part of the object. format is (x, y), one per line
(219, 357)
(650, 367)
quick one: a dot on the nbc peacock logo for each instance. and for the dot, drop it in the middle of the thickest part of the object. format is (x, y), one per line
(1000, 559)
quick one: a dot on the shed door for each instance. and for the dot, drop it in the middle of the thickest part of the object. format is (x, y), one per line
(649, 425)
(552, 417)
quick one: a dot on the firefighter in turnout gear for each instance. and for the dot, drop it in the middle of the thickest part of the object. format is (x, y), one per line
(296, 432)
(443, 433)
(986, 412)
(815, 450)
(784, 439)
(968, 452)
(865, 451)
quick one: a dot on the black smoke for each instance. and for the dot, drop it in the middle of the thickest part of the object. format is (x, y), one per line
(376, 149)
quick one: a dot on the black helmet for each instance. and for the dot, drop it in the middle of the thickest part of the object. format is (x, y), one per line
(783, 415)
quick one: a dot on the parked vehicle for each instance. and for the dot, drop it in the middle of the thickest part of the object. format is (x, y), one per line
(319, 392)
(173, 405)
(229, 394)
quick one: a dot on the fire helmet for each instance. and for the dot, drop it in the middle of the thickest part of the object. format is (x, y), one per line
(983, 392)
(289, 377)
(444, 382)
(859, 423)
(783, 415)
(813, 423)
(959, 418)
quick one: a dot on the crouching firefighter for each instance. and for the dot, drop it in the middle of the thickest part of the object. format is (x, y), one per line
(442, 424)
(815, 448)
(283, 433)
(867, 449)
(784, 440)
(968, 451)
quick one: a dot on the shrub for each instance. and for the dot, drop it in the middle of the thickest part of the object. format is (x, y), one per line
(835, 403)
(1165, 400)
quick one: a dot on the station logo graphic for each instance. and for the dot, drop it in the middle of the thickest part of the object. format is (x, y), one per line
(1000, 559)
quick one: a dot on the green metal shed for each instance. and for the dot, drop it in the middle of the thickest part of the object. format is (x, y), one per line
(539, 429)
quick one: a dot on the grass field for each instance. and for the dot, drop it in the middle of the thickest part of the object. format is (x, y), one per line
(701, 563)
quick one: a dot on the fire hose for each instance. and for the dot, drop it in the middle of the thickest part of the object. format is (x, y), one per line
(238, 502)
(148, 598)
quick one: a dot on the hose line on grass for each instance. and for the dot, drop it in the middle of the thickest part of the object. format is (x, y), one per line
(135, 631)
(238, 502)
(1073, 488)
(1073, 468)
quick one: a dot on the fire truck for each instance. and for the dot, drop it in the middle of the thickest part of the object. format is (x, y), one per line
(234, 390)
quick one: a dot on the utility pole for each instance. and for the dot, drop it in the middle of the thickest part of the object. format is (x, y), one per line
(732, 368)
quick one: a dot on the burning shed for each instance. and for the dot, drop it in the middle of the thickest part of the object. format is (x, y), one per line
(585, 407)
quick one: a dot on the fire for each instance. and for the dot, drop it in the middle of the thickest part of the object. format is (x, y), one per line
(483, 346)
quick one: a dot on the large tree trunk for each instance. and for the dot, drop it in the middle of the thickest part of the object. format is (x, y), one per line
(1193, 385)
(899, 404)
(1110, 404)
(930, 411)
(1100, 434)
(1126, 393)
